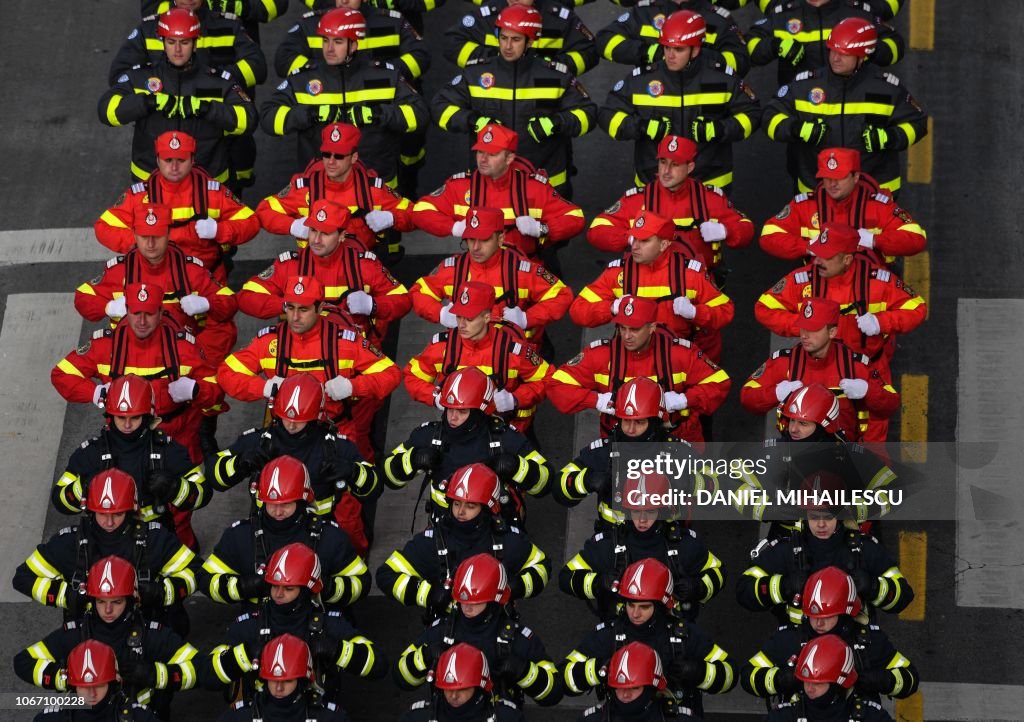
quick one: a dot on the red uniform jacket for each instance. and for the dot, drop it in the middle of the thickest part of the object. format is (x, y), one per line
(839, 362)
(671, 275)
(672, 362)
(688, 206)
(513, 366)
(517, 193)
(195, 197)
(345, 270)
(516, 282)
(361, 192)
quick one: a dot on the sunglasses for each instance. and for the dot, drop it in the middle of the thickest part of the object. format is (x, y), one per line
(335, 156)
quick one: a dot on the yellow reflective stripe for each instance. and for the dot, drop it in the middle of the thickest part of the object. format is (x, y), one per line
(855, 108)
(365, 95)
(279, 117)
(676, 101)
(495, 93)
(744, 120)
(112, 220)
(583, 119)
(464, 54)
(771, 302)
(443, 121)
(241, 121)
(299, 63)
(615, 42)
(893, 50)
(409, 60)
(271, 7)
(719, 300)
(380, 41)
(111, 111)
(577, 60)
(804, 37)
(773, 125)
(248, 76)
(410, 117)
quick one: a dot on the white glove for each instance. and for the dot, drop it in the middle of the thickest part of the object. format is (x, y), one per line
(854, 388)
(514, 314)
(99, 394)
(437, 400)
(116, 308)
(299, 228)
(504, 401)
(206, 228)
(359, 303)
(458, 228)
(268, 388)
(448, 319)
(784, 388)
(181, 390)
(615, 305)
(868, 324)
(712, 232)
(529, 226)
(604, 403)
(338, 388)
(867, 238)
(675, 401)
(379, 220)
(194, 305)
(682, 306)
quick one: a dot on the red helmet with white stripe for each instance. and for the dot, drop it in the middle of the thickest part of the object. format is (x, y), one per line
(282, 480)
(647, 580)
(636, 665)
(91, 664)
(829, 592)
(683, 29)
(294, 565)
(520, 19)
(462, 667)
(286, 657)
(480, 579)
(826, 659)
(129, 395)
(476, 483)
(111, 578)
(853, 36)
(178, 23)
(468, 388)
(112, 492)
(639, 398)
(342, 23)
(813, 403)
(300, 398)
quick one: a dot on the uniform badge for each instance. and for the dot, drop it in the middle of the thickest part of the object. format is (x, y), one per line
(618, 280)
(794, 25)
(464, 298)
(627, 310)
(121, 199)
(547, 275)
(143, 295)
(760, 372)
(284, 191)
(335, 134)
(832, 163)
(437, 193)
(468, 21)
(488, 137)
(154, 85)
(614, 208)
(808, 310)
(474, 220)
(655, 88)
(272, 348)
(807, 292)
(97, 279)
(299, 289)
(779, 285)
(533, 358)
(266, 273)
(815, 220)
(487, 81)
(618, 86)
(314, 87)
(657, 21)
(151, 218)
(574, 361)
(784, 213)
(902, 215)
(174, 143)
(639, 222)
(467, 197)
(747, 90)
(84, 348)
(321, 215)
(673, 144)
(372, 349)
(816, 96)
(387, 275)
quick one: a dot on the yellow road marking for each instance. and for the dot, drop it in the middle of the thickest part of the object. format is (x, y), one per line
(914, 418)
(913, 563)
(917, 273)
(910, 709)
(919, 158)
(922, 25)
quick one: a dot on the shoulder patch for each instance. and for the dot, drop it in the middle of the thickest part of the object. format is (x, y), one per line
(881, 274)
(618, 86)
(347, 335)
(287, 256)
(633, 191)
(780, 353)
(282, 85)
(682, 342)
(805, 75)
(137, 188)
(802, 277)
(597, 444)
(265, 330)
(694, 265)
(891, 79)
(457, 79)
(114, 261)
(469, 21)
(759, 372)
(213, 185)
(615, 264)
(575, 359)
(599, 343)
(439, 337)
(782, 91)
(779, 285)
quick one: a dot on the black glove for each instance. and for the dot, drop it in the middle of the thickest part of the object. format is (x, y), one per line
(157, 102)
(513, 669)
(151, 593)
(686, 672)
(606, 583)
(789, 49)
(597, 482)
(811, 132)
(162, 486)
(425, 458)
(786, 682)
(324, 648)
(138, 673)
(192, 107)
(875, 680)
(793, 583)
(363, 116)
(252, 461)
(252, 587)
(866, 583)
(432, 653)
(688, 589)
(75, 602)
(334, 470)
(505, 465)
(439, 598)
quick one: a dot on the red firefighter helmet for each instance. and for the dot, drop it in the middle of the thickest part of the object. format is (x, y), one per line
(480, 579)
(826, 659)
(639, 494)
(300, 398)
(520, 19)
(130, 395)
(286, 657)
(635, 665)
(178, 23)
(294, 565)
(640, 398)
(476, 483)
(462, 667)
(813, 403)
(683, 29)
(853, 36)
(829, 592)
(284, 479)
(111, 492)
(91, 664)
(110, 578)
(647, 580)
(468, 388)
(342, 23)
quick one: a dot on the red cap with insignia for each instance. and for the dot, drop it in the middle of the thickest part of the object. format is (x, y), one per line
(472, 299)
(143, 297)
(482, 223)
(677, 149)
(150, 219)
(339, 138)
(817, 313)
(303, 290)
(835, 238)
(634, 312)
(837, 163)
(327, 216)
(648, 225)
(493, 138)
(174, 144)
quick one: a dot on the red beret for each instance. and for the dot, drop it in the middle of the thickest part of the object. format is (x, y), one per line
(143, 298)
(150, 219)
(647, 225)
(677, 148)
(472, 299)
(339, 138)
(634, 312)
(303, 290)
(835, 238)
(483, 222)
(493, 138)
(175, 144)
(838, 163)
(327, 216)
(817, 313)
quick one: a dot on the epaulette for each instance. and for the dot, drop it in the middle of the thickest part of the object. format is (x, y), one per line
(485, 11)
(713, 189)
(874, 627)
(891, 79)
(114, 261)
(682, 342)
(722, 11)
(514, 530)
(155, 525)
(598, 536)
(138, 188)
(801, 197)
(517, 349)
(428, 533)
(334, 613)
(804, 75)
(862, 358)
(597, 443)
(882, 198)
(383, 64)
(599, 342)
(421, 704)
(67, 530)
(368, 255)
(213, 185)
(70, 625)
(436, 622)
(644, 4)
(770, 443)
(253, 430)
(592, 710)
(347, 334)
(85, 444)
(53, 710)
(784, 705)
(507, 703)
(439, 337)
(727, 69)
(526, 632)
(236, 523)
(539, 178)
(615, 264)
(640, 70)
(871, 703)
(882, 274)
(462, 174)
(245, 617)
(694, 265)
(525, 266)
(265, 330)
(240, 704)
(300, 182)
(150, 18)
(633, 192)
(331, 706)
(230, 16)
(377, 182)
(475, 61)
(186, 336)
(394, 14)
(562, 12)
(783, 352)
(102, 333)
(155, 625)
(449, 262)
(600, 626)
(802, 277)
(288, 256)
(560, 67)
(761, 547)
(310, 14)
